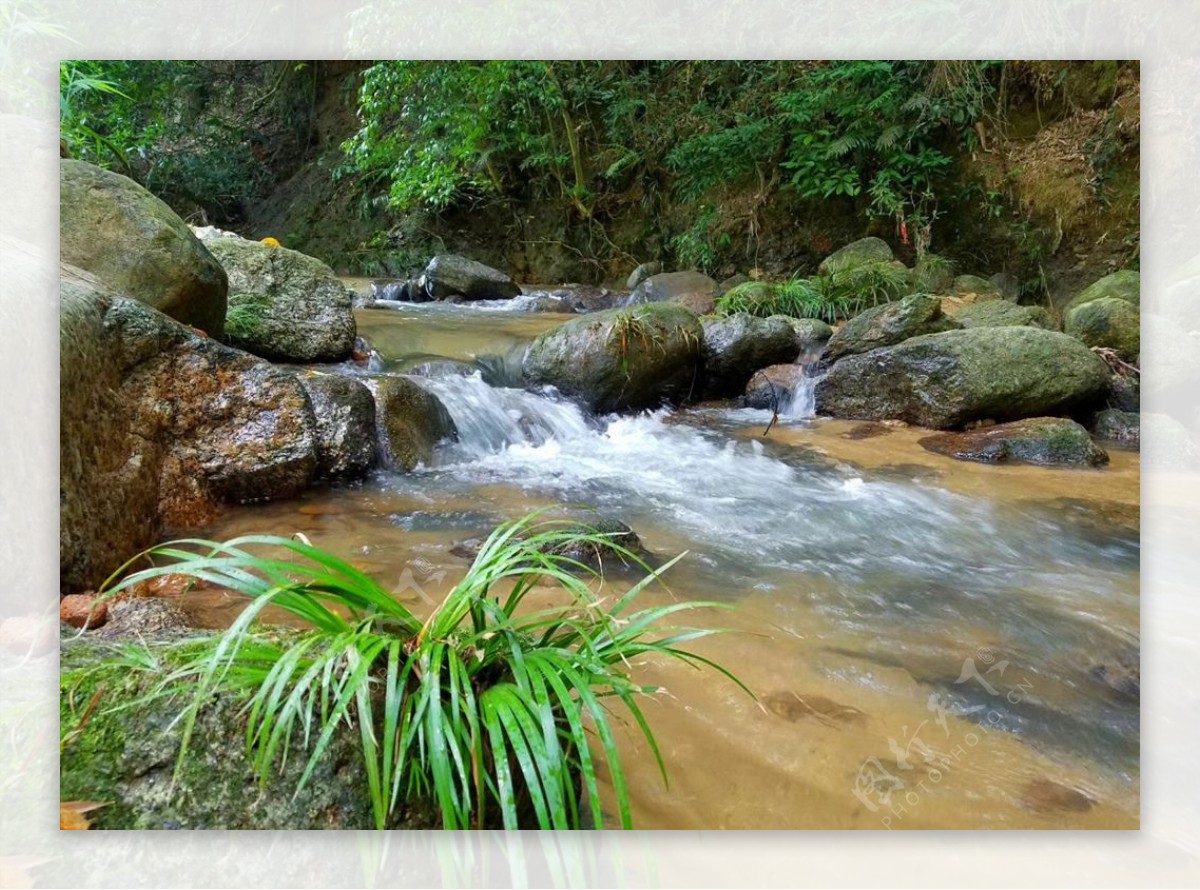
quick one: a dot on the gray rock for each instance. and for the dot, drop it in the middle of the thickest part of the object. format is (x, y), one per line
(136, 245)
(1124, 285)
(856, 253)
(982, 288)
(1001, 314)
(770, 388)
(1108, 322)
(810, 332)
(888, 325)
(621, 359)
(159, 426)
(737, 346)
(1045, 441)
(449, 275)
(946, 380)
(1007, 285)
(345, 411)
(642, 272)
(695, 290)
(1122, 427)
(411, 422)
(284, 305)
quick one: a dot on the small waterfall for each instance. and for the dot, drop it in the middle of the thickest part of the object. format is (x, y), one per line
(802, 401)
(492, 418)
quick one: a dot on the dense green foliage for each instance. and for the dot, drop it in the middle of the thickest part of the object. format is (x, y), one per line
(203, 135)
(839, 294)
(585, 168)
(598, 133)
(484, 707)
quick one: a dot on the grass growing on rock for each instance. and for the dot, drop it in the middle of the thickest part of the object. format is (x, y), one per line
(482, 707)
(842, 293)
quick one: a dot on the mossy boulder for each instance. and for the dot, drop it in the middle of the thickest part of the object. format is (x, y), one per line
(449, 276)
(284, 305)
(932, 275)
(411, 422)
(946, 380)
(981, 288)
(159, 426)
(345, 412)
(138, 246)
(737, 346)
(889, 324)
(695, 290)
(623, 359)
(1045, 441)
(1124, 285)
(856, 253)
(1122, 427)
(1109, 322)
(1002, 314)
(126, 752)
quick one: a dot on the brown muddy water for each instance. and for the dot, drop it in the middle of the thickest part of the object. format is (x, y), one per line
(932, 643)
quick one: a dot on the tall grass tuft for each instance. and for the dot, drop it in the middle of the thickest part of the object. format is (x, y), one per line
(487, 709)
(840, 294)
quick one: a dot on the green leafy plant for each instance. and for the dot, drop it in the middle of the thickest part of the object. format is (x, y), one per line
(835, 295)
(483, 707)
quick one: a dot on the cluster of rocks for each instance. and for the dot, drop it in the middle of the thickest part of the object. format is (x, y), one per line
(970, 356)
(171, 405)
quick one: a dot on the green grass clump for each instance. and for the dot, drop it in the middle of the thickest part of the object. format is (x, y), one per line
(244, 319)
(483, 708)
(836, 295)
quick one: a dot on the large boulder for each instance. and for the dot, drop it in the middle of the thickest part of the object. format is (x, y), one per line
(889, 324)
(284, 305)
(695, 290)
(1124, 285)
(125, 753)
(345, 411)
(737, 346)
(1046, 441)
(449, 275)
(856, 253)
(136, 245)
(159, 426)
(411, 422)
(1109, 322)
(629, 358)
(946, 380)
(998, 313)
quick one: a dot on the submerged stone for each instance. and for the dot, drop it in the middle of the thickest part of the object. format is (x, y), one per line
(1045, 441)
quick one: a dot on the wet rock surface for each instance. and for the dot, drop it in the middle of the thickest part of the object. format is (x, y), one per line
(888, 325)
(136, 245)
(737, 346)
(629, 358)
(946, 380)
(1046, 441)
(160, 426)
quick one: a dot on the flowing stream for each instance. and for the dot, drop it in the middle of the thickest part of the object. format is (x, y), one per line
(932, 643)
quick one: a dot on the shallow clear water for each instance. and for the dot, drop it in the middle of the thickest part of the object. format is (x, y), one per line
(879, 591)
